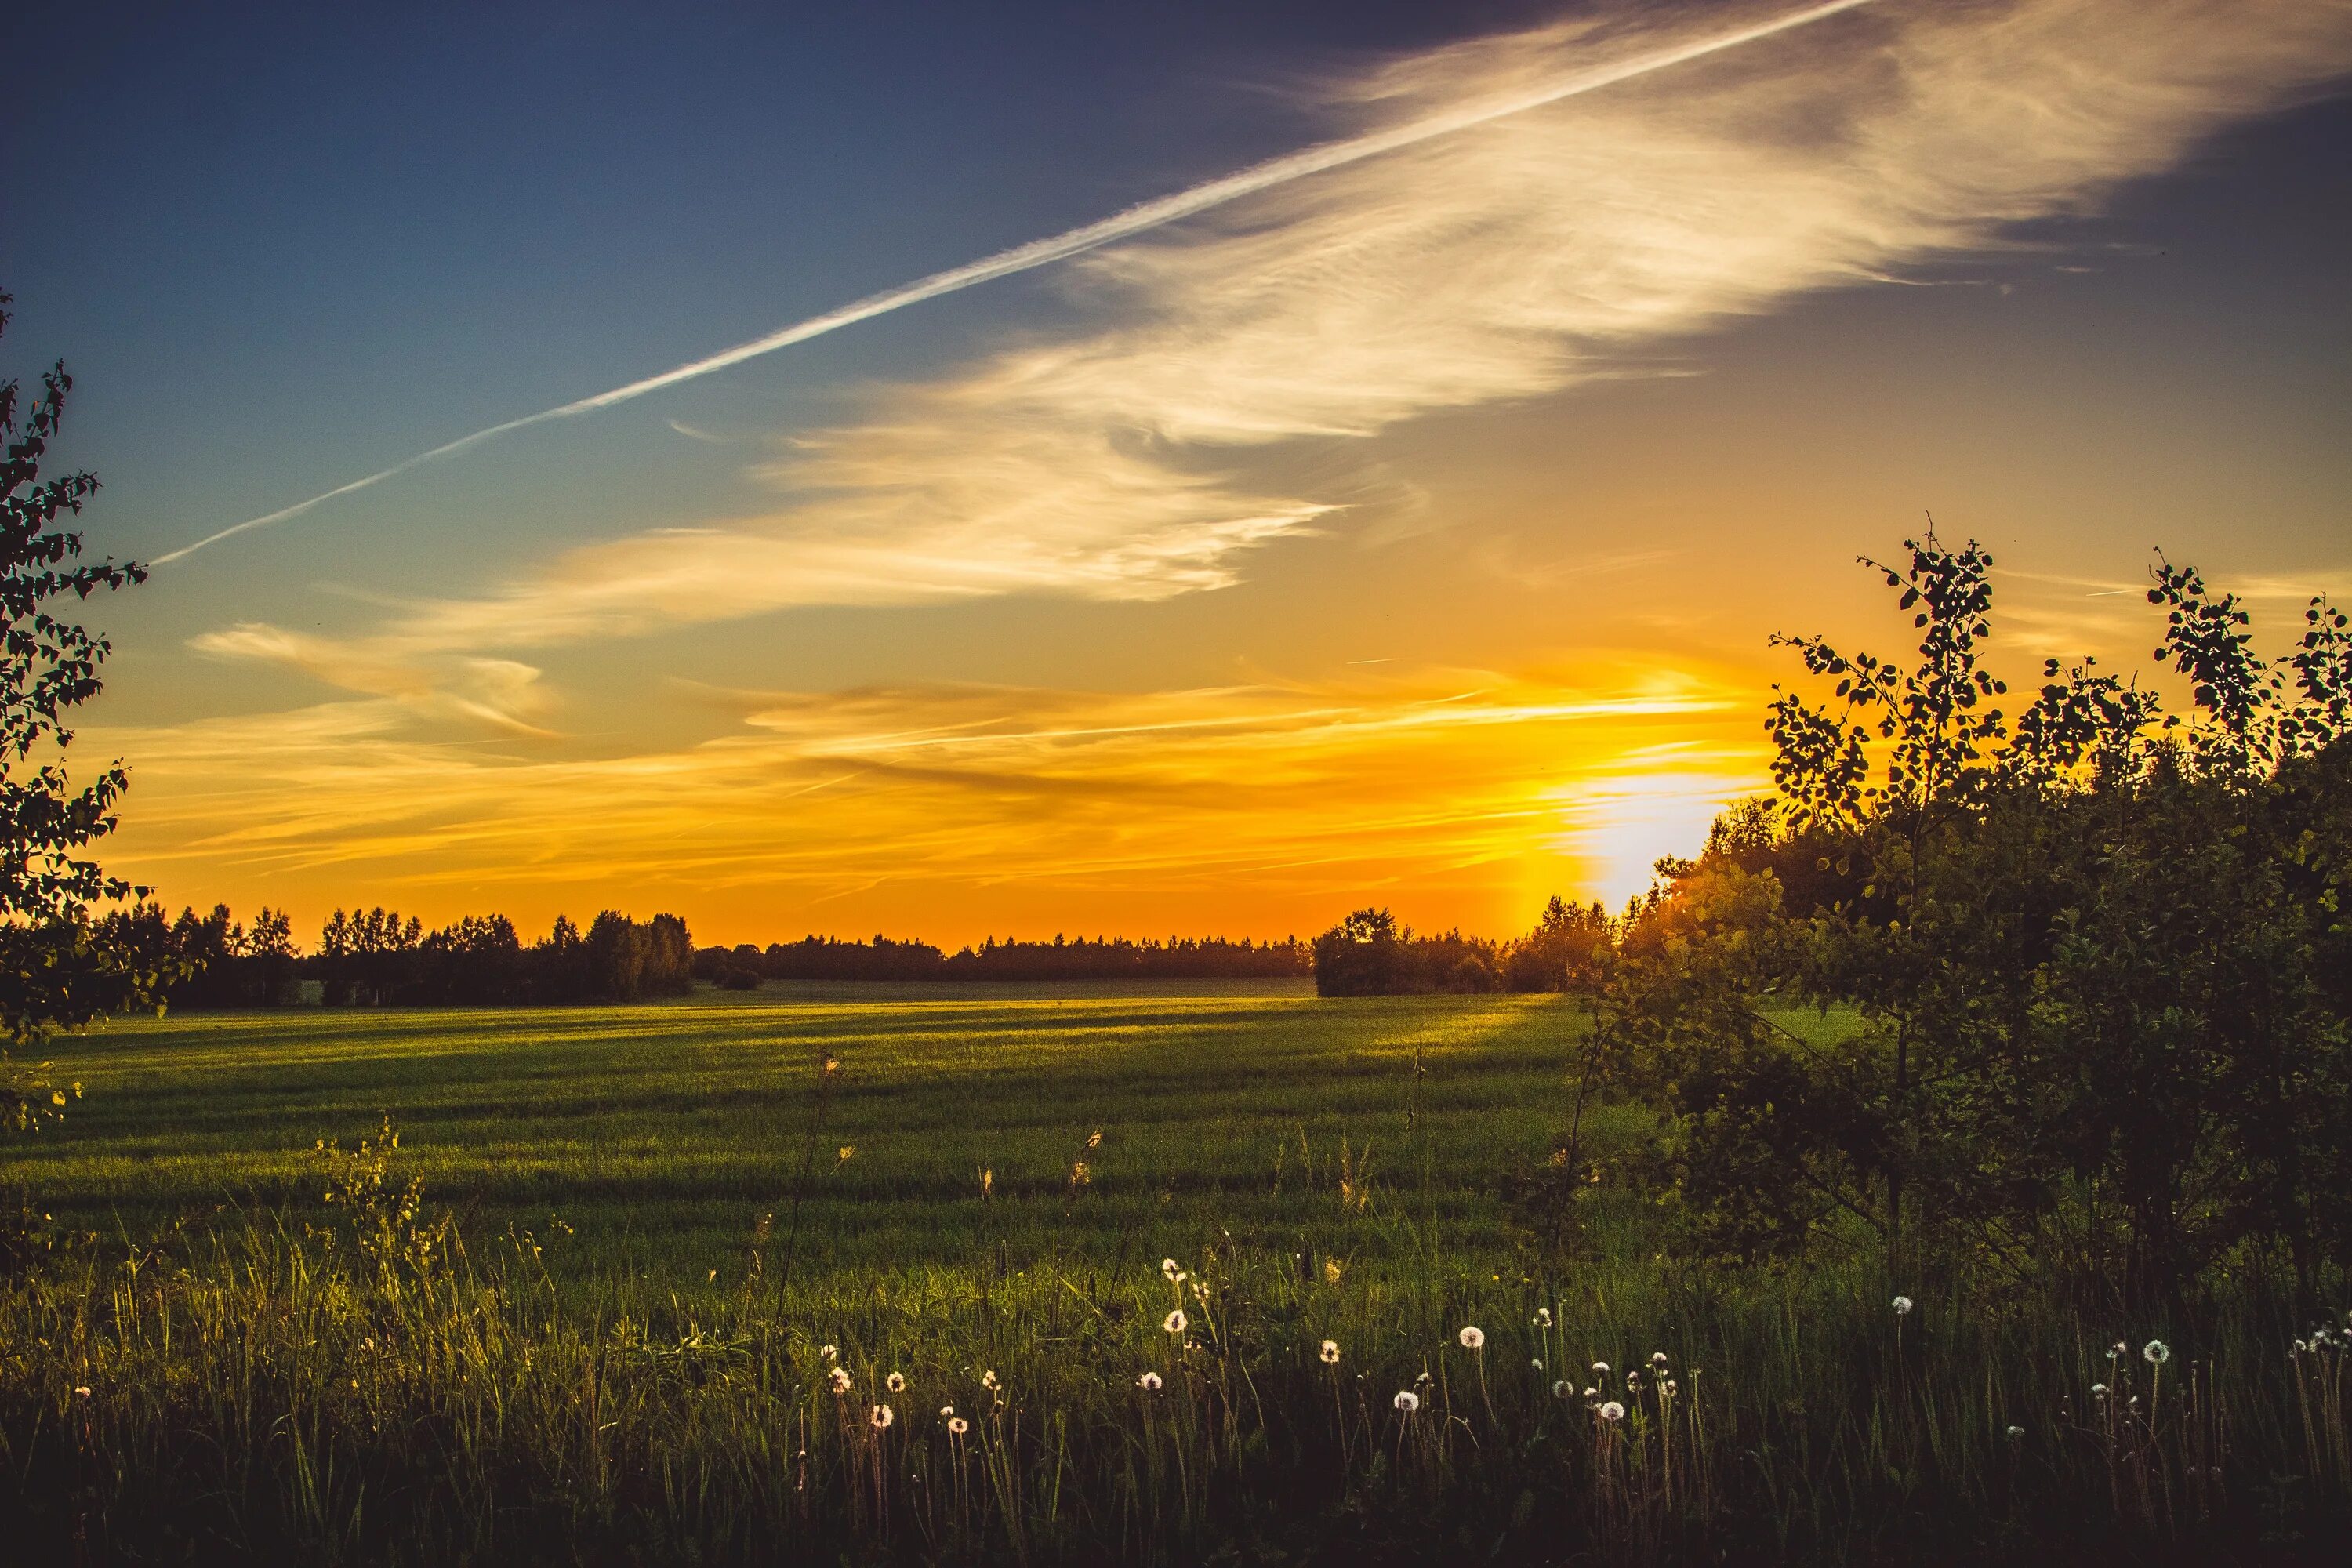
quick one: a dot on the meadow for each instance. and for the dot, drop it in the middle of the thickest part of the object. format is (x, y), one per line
(1302, 1300)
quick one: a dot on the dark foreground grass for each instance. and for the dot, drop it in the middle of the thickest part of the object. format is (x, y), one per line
(270, 1376)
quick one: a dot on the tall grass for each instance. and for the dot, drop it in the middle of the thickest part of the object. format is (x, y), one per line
(385, 1390)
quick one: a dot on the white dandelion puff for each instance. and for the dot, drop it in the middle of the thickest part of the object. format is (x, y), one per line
(1168, 1266)
(2015, 1433)
(958, 1426)
(827, 1353)
(1657, 1358)
(1542, 1319)
(1330, 1353)
(1560, 1390)
(1612, 1412)
(1473, 1338)
(1902, 1305)
(1601, 1369)
(2156, 1353)
(840, 1380)
(1148, 1382)
(882, 1415)
(1176, 1322)
(1407, 1401)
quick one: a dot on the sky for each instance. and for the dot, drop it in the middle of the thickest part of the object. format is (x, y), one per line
(1402, 523)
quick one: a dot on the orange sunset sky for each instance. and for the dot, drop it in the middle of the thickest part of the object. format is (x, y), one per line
(1406, 530)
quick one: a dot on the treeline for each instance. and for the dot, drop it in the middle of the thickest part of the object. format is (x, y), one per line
(375, 958)
(1369, 954)
(1102, 958)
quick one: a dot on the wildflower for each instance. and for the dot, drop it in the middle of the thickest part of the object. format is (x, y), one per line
(827, 1355)
(946, 1412)
(1168, 1266)
(882, 1416)
(2098, 1391)
(1536, 1362)
(958, 1426)
(2135, 1402)
(1657, 1358)
(2156, 1353)
(1601, 1369)
(1673, 1387)
(2015, 1433)
(1590, 1393)
(83, 1393)
(840, 1380)
(1422, 1379)
(2115, 1351)
(1612, 1412)
(1148, 1382)
(1542, 1319)
(2300, 1347)
(1473, 1338)
(1560, 1389)
(896, 1382)
(1407, 1401)
(1330, 1353)
(1176, 1322)
(988, 1381)
(1902, 1306)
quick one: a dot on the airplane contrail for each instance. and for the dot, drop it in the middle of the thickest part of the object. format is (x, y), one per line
(1119, 226)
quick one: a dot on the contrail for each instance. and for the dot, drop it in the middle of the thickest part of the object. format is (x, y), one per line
(1037, 253)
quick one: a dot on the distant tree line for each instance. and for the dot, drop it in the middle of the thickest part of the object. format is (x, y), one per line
(1369, 954)
(1100, 958)
(375, 958)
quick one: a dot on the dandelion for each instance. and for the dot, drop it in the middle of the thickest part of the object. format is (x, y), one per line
(2098, 1391)
(2156, 1353)
(1591, 1393)
(1407, 1401)
(83, 1393)
(1657, 1358)
(1902, 1306)
(1612, 1412)
(1542, 1319)
(2015, 1433)
(1560, 1390)
(1601, 1369)
(1473, 1338)
(882, 1415)
(988, 1381)
(2116, 1351)
(840, 1380)
(1536, 1362)
(1168, 1266)
(1176, 1322)
(1095, 1141)
(1148, 1382)
(1330, 1353)
(1673, 1387)
(958, 1426)
(946, 1412)
(827, 1355)
(896, 1382)
(1422, 1379)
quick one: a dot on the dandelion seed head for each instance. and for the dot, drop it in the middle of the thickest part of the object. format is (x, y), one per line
(1657, 1358)
(2015, 1433)
(1148, 1382)
(1902, 1305)
(1591, 1392)
(1176, 1322)
(1542, 1319)
(827, 1353)
(1560, 1390)
(1168, 1266)
(1330, 1353)
(1601, 1369)
(840, 1380)
(2156, 1353)
(1612, 1412)
(1473, 1338)
(2098, 1391)
(1673, 1387)
(946, 1412)
(896, 1382)
(882, 1415)
(1536, 1362)
(1407, 1401)
(958, 1426)
(83, 1393)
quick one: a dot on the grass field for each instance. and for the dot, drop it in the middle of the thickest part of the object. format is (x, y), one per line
(605, 1337)
(662, 1133)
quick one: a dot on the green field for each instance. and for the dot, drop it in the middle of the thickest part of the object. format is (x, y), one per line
(605, 1337)
(663, 1133)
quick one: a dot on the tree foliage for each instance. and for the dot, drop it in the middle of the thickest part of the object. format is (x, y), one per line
(2076, 980)
(56, 967)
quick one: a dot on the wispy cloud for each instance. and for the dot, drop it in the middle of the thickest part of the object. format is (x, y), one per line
(1504, 260)
(1307, 792)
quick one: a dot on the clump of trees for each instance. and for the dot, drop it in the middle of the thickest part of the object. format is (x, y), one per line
(1099, 958)
(1369, 954)
(2058, 990)
(375, 958)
